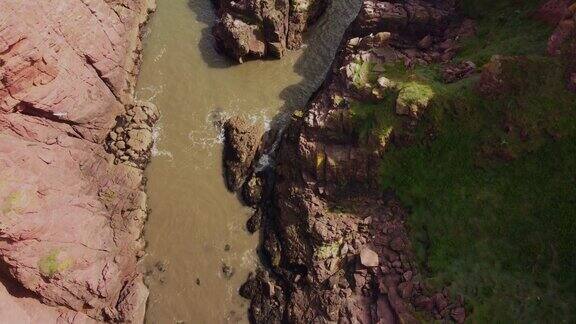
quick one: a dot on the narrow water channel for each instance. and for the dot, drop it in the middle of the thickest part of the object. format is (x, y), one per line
(195, 226)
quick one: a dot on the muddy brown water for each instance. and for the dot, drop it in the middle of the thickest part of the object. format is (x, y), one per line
(196, 226)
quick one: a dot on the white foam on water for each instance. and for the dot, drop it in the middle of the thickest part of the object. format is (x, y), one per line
(264, 162)
(261, 117)
(147, 95)
(151, 91)
(156, 137)
(210, 134)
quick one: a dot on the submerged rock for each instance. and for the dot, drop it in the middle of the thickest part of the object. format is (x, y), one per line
(227, 271)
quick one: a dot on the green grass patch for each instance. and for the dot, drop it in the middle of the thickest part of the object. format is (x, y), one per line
(373, 120)
(504, 27)
(327, 251)
(364, 74)
(491, 182)
(414, 87)
(501, 233)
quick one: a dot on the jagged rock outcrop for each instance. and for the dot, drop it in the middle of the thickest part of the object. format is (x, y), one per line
(337, 248)
(250, 29)
(70, 219)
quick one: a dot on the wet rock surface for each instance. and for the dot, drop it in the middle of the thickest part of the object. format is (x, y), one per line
(71, 219)
(251, 29)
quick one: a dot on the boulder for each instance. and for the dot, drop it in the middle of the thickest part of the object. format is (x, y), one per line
(406, 289)
(458, 314)
(241, 141)
(238, 39)
(491, 79)
(139, 139)
(368, 258)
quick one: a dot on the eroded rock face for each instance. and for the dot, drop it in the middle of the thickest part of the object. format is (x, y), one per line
(71, 220)
(249, 29)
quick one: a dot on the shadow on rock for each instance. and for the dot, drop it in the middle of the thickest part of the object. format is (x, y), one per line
(321, 45)
(204, 11)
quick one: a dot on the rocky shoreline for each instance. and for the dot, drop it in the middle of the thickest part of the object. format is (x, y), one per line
(336, 250)
(253, 29)
(71, 218)
(335, 247)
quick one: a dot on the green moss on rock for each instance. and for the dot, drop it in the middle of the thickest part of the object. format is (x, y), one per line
(52, 264)
(16, 201)
(326, 251)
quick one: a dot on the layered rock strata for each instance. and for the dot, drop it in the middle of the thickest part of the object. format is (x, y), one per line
(70, 218)
(250, 29)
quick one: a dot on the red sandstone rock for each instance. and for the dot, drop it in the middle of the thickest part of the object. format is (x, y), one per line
(249, 29)
(70, 219)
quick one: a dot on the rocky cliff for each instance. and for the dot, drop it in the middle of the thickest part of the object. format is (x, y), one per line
(250, 29)
(337, 240)
(71, 215)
